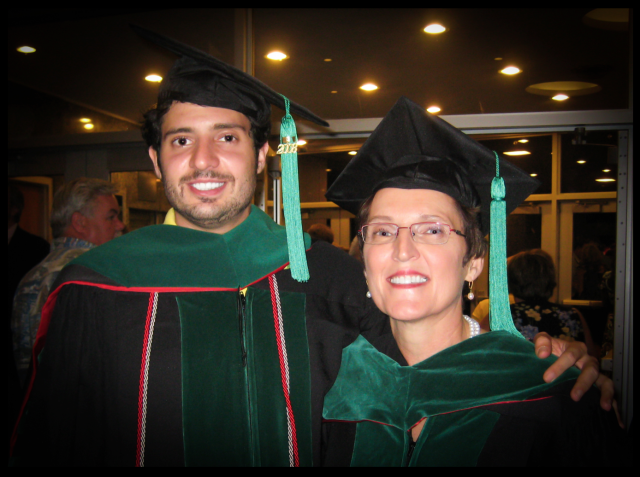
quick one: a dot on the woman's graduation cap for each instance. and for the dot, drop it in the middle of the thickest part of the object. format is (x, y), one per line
(412, 149)
(199, 78)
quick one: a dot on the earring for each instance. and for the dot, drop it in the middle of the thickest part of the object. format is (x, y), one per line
(368, 294)
(470, 296)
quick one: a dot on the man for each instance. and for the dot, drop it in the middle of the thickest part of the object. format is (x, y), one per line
(190, 343)
(84, 214)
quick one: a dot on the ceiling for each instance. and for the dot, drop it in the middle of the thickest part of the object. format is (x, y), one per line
(89, 62)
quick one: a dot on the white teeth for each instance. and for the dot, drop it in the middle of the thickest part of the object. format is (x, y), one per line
(408, 279)
(207, 185)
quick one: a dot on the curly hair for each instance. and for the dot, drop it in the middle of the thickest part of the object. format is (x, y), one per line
(476, 244)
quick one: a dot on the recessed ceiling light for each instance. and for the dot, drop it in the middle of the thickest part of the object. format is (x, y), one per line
(353, 153)
(301, 142)
(582, 161)
(606, 170)
(560, 97)
(328, 170)
(153, 78)
(498, 59)
(605, 179)
(85, 120)
(333, 92)
(277, 56)
(369, 87)
(517, 153)
(533, 174)
(88, 126)
(26, 49)
(523, 141)
(510, 70)
(327, 59)
(434, 28)
(434, 109)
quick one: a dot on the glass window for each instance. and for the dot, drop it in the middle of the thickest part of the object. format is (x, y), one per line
(589, 161)
(533, 155)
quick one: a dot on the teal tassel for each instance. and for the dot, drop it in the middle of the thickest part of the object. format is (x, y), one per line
(288, 150)
(499, 310)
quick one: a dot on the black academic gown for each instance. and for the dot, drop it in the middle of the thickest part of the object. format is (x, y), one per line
(484, 402)
(165, 347)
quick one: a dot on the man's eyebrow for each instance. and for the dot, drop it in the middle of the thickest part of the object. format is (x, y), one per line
(229, 126)
(176, 131)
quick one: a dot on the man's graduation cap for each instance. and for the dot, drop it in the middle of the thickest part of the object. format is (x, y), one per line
(412, 149)
(199, 78)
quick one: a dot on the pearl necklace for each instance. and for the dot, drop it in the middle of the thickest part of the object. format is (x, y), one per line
(473, 325)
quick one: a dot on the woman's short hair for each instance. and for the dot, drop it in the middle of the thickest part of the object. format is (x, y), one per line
(531, 275)
(476, 244)
(77, 196)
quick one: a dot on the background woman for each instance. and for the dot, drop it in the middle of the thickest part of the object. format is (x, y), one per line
(532, 279)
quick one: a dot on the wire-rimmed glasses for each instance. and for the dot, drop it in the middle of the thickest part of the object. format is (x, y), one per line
(432, 233)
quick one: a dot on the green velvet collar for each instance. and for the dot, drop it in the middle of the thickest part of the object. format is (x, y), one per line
(490, 368)
(173, 256)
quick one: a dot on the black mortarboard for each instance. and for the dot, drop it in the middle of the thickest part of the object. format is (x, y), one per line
(199, 78)
(207, 81)
(413, 149)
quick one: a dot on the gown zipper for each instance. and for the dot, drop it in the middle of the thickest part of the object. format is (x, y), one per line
(412, 446)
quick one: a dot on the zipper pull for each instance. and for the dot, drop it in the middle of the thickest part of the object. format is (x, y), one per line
(242, 301)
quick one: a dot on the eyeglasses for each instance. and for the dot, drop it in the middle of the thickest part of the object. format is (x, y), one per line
(432, 233)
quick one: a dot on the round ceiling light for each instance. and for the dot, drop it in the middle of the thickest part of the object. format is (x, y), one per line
(510, 70)
(571, 88)
(434, 109)
(560, 97)
(277, 56)
(434, 28)
(153, 78)
(369, 87)
(26, 49)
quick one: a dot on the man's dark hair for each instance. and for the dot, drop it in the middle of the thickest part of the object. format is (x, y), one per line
(153, 118)
(531, 275)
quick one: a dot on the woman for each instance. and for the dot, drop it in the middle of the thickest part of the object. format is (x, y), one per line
(532, 279)
(437, 391)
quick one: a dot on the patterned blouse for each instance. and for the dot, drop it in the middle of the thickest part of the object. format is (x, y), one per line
(534, 316)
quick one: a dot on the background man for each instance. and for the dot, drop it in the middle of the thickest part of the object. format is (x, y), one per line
(84, 214)
(190, 343)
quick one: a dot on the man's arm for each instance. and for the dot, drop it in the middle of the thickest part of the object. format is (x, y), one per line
(574, 354)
